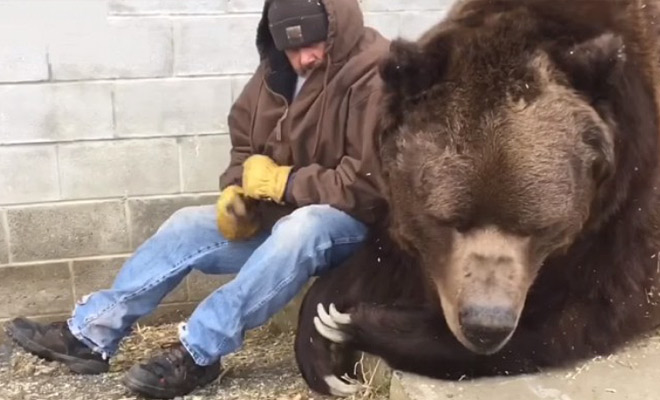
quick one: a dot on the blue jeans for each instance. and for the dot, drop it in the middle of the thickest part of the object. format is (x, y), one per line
(270, 269)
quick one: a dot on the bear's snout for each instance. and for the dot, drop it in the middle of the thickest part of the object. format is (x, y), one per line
(483, 286)
(487, 328)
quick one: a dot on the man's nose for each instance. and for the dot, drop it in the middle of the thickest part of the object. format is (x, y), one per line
(307, 57)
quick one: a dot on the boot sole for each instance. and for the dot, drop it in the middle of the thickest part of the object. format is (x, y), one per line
(77, 365)
(156, 392)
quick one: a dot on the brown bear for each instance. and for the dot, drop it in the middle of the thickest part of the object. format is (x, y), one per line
(520, 161)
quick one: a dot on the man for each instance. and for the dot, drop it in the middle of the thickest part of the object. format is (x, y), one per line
(303, 158)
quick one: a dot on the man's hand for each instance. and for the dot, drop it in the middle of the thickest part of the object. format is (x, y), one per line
(265, 180)
(236, 217)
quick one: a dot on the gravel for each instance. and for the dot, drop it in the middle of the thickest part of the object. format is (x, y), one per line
(264, 369)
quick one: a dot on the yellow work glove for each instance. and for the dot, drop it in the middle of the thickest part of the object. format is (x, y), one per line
(263, 179)
(236, 217)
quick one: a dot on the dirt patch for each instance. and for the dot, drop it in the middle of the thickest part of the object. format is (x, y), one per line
(264, 369)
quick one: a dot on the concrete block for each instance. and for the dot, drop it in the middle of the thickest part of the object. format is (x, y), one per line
(243, 6)
(24, 60)
(172, 107)
(385, 23)
(155, 7)
(119, 168)
(238, 82)
(140, 48)
(405, 5)
(200, 285)
(35, 289)
(286, 320)
(55, 112)
(203, 159)
(147, 215)
(4, 245)
(414, 24)
(46, 19)
(202, 45)
(628, 375)
(91, 275)
(67, 230)
(29, 174)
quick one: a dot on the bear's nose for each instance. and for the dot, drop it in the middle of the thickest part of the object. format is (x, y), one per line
(487, 327)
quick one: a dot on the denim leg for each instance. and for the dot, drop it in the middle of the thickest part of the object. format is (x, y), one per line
(301, 245)
(188, 239)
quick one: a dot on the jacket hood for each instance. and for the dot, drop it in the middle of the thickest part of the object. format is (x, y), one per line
(345, 28)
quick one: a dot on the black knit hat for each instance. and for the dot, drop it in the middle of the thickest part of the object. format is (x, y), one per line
(297, 23)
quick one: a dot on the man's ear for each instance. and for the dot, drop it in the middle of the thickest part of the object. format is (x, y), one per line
(592, 66)
(409, 69)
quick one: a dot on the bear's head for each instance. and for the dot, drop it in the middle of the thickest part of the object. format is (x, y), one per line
(499, 152)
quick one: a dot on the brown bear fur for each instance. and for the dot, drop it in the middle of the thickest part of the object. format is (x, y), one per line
(520, 150)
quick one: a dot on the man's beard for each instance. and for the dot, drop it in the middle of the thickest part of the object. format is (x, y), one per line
(306, 72)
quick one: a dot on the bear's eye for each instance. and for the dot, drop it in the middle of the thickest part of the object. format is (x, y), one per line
(601, 167)
(538, 231)
(593, 137)
(461, 224)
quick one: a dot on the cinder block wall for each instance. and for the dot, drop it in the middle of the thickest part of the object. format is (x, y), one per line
(113, 114)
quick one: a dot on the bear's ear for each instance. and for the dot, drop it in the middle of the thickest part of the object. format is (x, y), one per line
(593, 65)
(409, 68)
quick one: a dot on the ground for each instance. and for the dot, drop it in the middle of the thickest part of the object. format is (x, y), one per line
(264, 369)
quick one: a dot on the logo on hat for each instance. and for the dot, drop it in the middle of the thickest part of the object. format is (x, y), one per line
(294, 34)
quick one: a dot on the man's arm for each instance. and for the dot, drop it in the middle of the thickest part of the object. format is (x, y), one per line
(354, 186)
(239, 121)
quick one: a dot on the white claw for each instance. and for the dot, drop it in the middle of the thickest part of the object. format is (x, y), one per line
(325, 317)
(332, 334)
(339, 387)
(340, 318)
(329, 325)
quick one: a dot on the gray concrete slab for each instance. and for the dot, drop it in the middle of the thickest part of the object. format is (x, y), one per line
(631, 374)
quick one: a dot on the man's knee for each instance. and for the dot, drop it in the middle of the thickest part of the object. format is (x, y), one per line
(317, 223)
(189, 218)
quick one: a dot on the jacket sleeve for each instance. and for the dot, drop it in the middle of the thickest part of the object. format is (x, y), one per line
(239, 122)
(355, 185)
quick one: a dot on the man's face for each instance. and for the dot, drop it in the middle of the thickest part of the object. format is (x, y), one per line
(305, 59)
